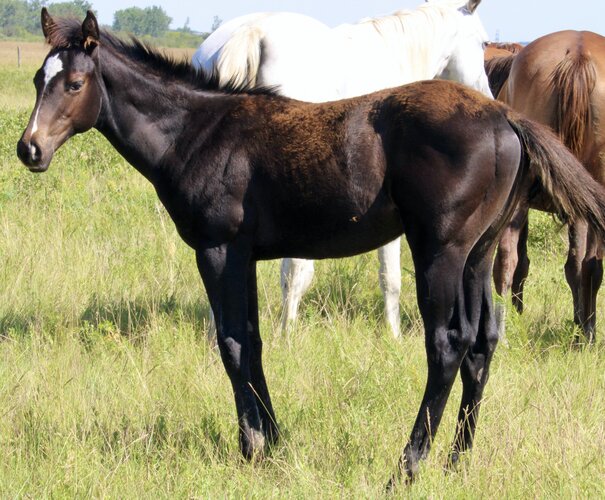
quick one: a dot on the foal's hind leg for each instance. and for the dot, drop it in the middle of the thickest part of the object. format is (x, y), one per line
(224, 271)
(296, 276)
(447, 337)
(474, 369)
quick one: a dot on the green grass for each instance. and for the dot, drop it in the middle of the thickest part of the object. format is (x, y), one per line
(109, 388)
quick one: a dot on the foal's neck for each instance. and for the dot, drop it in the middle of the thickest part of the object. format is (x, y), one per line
(142, 115)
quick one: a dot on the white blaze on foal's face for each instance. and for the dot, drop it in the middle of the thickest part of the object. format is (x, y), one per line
(52, 68)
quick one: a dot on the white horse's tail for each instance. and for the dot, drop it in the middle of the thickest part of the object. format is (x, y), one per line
(238, 63)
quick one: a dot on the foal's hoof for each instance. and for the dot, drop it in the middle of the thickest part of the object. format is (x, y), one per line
(457, 459)
(397, 479)
(405, 474)
(453, 462)
(252, 444)
(583, 340)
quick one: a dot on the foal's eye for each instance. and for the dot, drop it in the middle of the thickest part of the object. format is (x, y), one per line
(75, 86)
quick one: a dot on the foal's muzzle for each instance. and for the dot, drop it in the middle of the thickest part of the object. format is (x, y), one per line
(31, 155)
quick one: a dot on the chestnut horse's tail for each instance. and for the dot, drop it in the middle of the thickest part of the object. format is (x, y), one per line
(240, 58)
(497, 70)
(573, 81)
(573, 192)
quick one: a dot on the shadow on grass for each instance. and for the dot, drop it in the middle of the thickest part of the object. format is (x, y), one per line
(130, 318)
(543, 336)
(16, 325)
(133, 317)
(161, 436)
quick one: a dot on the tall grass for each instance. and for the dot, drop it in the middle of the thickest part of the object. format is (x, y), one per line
(108, 386)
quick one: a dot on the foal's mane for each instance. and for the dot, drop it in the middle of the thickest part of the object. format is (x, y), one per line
(67, 33)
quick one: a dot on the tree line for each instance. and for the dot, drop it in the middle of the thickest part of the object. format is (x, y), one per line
(21, 19)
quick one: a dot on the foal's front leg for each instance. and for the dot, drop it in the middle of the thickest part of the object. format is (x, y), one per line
(259, 383)
(225, 270)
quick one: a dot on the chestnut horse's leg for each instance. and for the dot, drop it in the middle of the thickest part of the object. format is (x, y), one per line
(507, 263)
(592, 277)
(390, 282)
(257, 374)
(474, 369)
(522, 269)
(448, 334)
(584, 273)
(578, 233)
(296, 276)
(224, 271)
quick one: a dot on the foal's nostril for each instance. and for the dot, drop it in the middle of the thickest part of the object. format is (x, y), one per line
(35, 152)
(23, 152)
(29, 152)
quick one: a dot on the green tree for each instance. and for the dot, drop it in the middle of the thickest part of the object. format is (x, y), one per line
(148, 21)
(19, 16)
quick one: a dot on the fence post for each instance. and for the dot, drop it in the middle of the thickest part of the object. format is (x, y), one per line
(18, 56)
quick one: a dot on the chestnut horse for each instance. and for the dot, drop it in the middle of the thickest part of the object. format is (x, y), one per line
(253, 176)
(558, 80)
(501, 49)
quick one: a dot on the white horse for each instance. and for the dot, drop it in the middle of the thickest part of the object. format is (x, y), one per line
(306, 60)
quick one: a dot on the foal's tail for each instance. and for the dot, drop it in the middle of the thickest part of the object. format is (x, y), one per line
(240, 58)
(565, 182)
(573, 81)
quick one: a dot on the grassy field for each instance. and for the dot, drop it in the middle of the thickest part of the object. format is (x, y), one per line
(109, 387)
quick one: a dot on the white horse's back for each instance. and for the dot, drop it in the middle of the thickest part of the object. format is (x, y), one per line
(207, 54)
(307, 60)
(278, 49)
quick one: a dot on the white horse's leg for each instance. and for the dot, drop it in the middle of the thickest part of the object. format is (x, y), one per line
(296, 276)
(211, 329)
(390, 282)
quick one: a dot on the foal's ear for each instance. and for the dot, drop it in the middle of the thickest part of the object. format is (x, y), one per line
(48, 24)
(472, 5)
(90, 32)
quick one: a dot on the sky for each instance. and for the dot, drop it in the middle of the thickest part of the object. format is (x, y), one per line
(510, 20)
